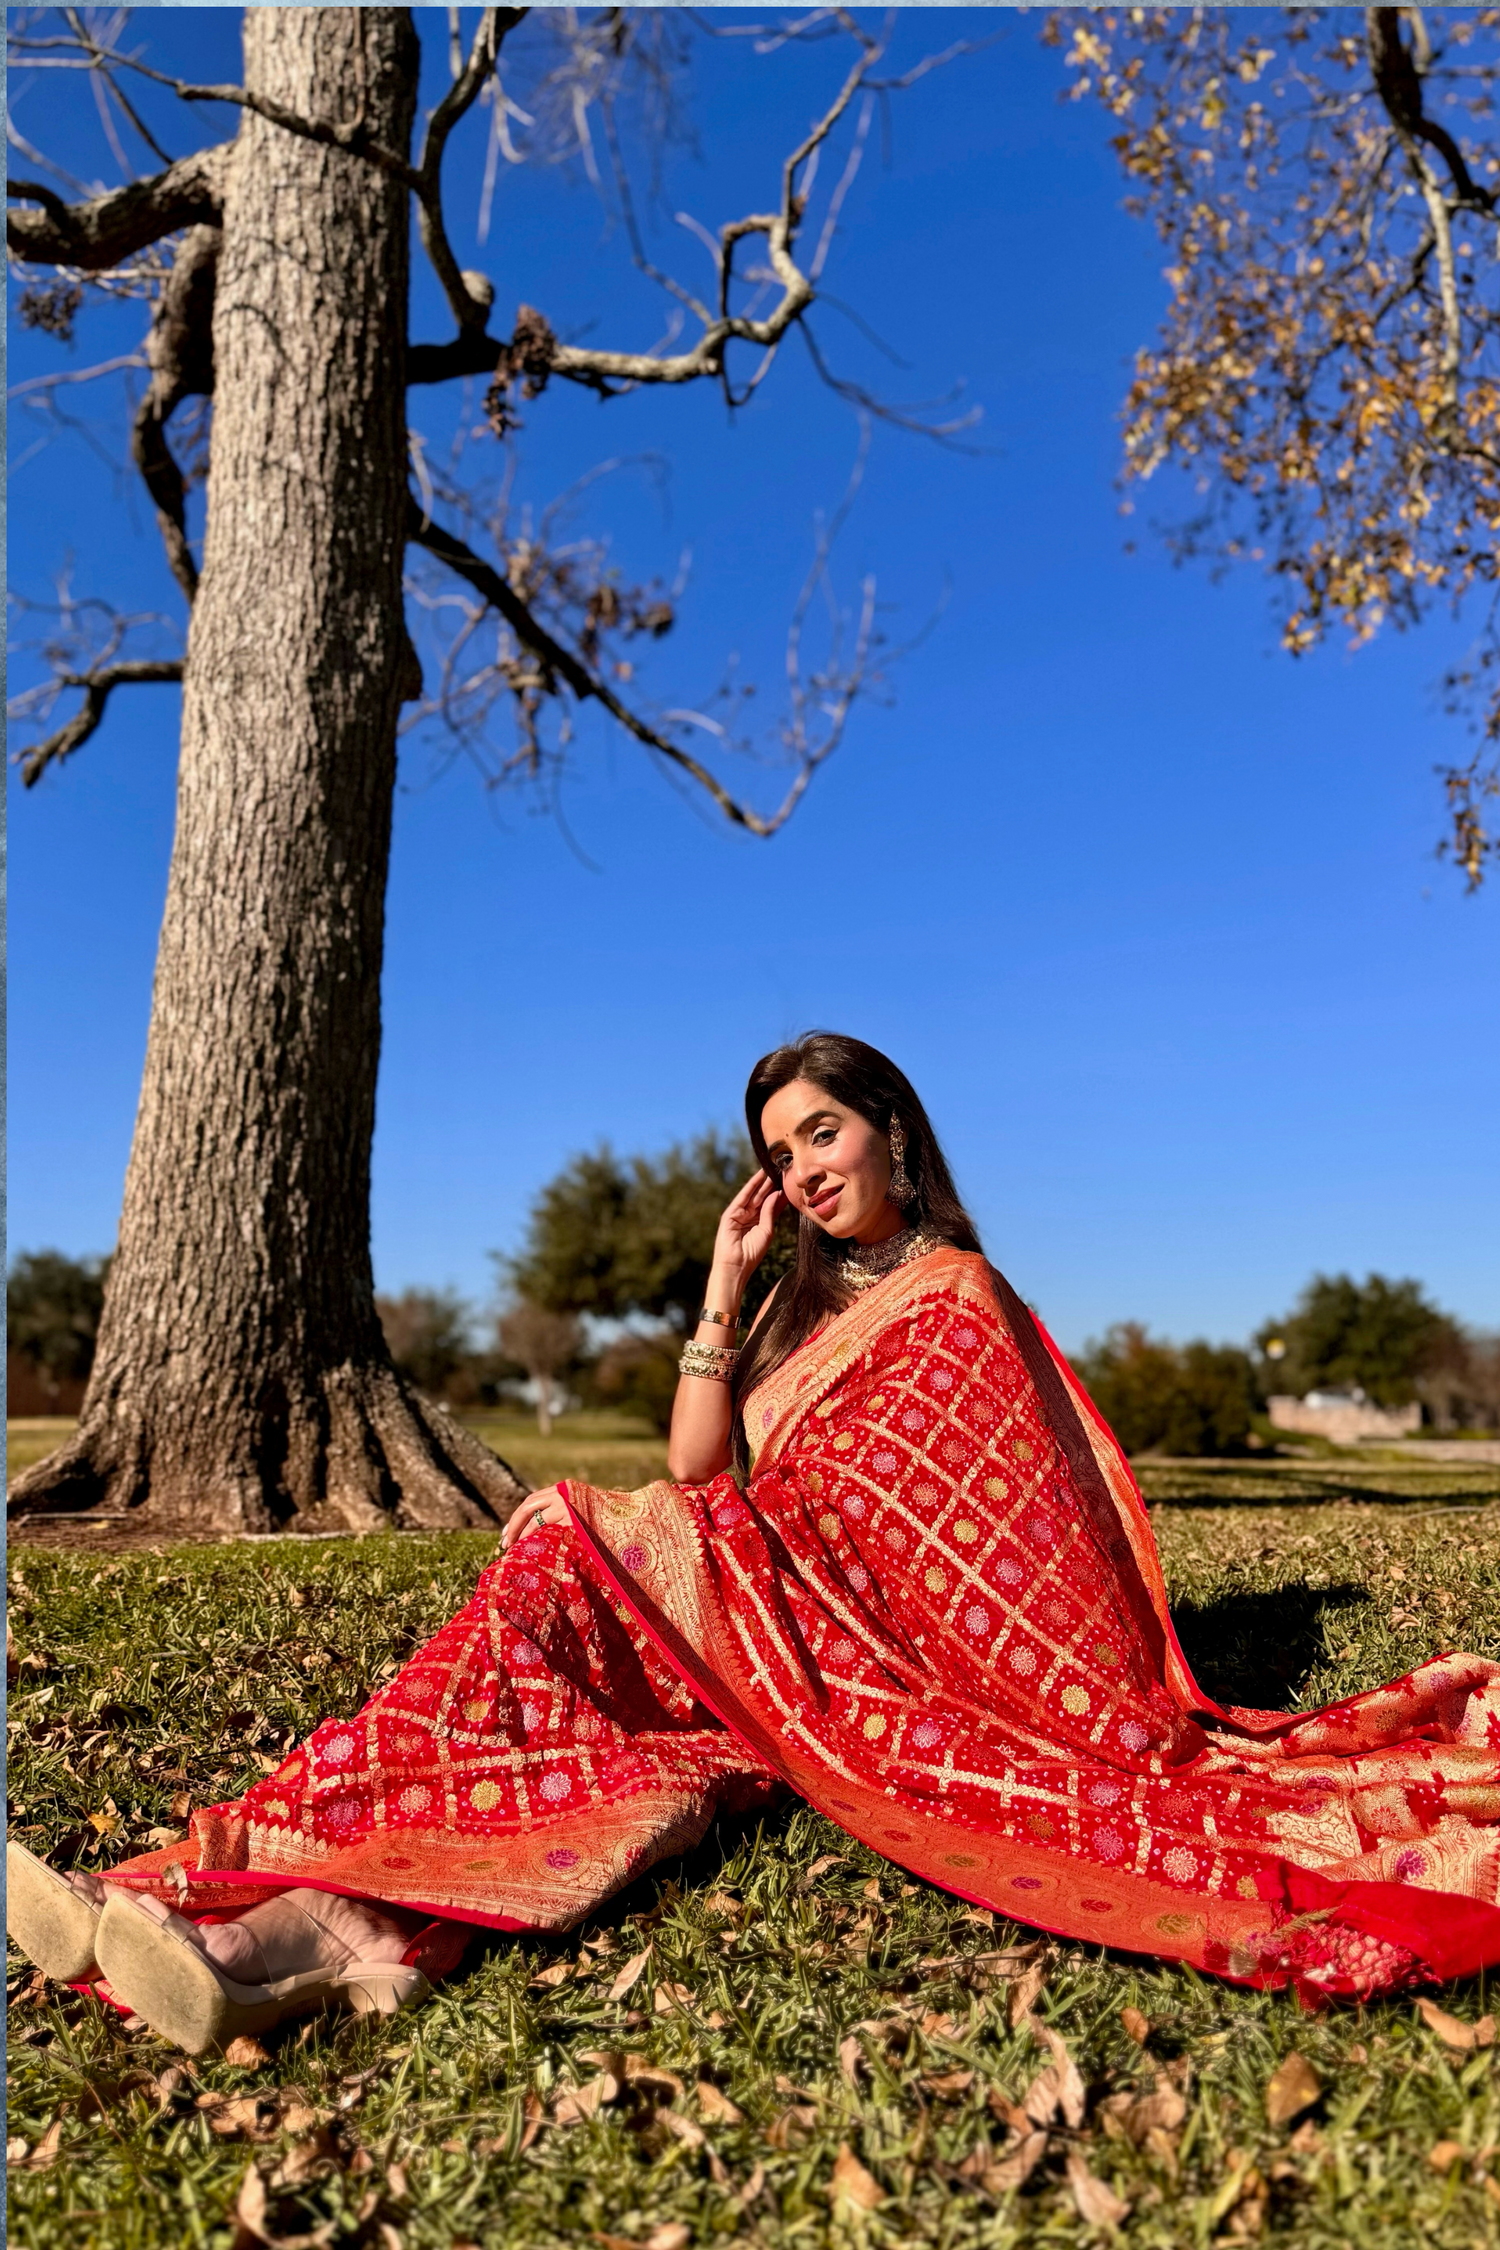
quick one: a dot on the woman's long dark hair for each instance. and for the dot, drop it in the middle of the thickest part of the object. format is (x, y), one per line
(868, 1082)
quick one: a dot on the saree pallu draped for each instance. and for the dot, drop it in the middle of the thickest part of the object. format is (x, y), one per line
(936, 1612)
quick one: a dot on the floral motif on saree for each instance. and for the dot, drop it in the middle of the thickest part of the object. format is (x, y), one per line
(937, 1613)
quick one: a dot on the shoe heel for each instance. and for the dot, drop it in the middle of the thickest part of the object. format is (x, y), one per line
(47, 1920)
(174, 1986)
(382, 1991)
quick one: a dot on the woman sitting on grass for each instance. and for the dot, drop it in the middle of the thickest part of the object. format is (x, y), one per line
(902, 1569)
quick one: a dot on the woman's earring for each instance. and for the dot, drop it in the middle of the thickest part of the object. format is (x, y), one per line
(900, 1190)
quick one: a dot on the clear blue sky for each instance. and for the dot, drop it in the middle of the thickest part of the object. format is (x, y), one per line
(1146, 909)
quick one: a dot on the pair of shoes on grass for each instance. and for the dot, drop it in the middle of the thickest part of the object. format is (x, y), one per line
(201, 1985)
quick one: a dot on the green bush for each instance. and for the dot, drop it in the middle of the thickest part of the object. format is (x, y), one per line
(1157, 1397)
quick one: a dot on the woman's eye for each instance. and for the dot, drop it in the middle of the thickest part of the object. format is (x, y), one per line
(824, 1136)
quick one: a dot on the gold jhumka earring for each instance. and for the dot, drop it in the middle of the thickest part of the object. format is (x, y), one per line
(900, 1191)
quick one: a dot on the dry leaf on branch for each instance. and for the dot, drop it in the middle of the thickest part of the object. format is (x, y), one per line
(852, 2188)
(1292, 2087)
(1098, 2205)
(1455, 2033)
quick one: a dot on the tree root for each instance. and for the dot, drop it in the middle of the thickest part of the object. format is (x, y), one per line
(364, 1452)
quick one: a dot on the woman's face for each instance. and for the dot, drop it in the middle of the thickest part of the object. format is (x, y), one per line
(831, 1163)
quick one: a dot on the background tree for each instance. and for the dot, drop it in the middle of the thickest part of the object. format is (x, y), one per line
(545, 1344)
(624, 1237)
(242, 1379)
(1325, 182)
(427, 1335)
(1191, 1399)
(52, 1309)
(1380, 1336)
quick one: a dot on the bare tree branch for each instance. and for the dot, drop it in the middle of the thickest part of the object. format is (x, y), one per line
(354, 138)
(98, 686)
(469, 311)
(110, 228)
(585, 684)
(179, 351)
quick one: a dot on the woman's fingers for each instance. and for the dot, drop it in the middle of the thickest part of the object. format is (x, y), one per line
(546, 1506)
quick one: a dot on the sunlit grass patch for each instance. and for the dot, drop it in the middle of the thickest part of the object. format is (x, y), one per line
(781, 1997)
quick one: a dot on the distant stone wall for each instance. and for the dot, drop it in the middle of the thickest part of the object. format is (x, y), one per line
(1343, 1421)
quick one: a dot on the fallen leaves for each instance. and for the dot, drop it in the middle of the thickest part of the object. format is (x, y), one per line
(1138, 2026)
(1098, 2205)
(1059, 2086)
(852, 2188)
(1137, 2116)
(246, 2052)
(1292, 2087)
(1443, 2155)
(1453, 2032)
(19, 2158)
(630, 1976)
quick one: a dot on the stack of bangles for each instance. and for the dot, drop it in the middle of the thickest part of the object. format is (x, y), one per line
(712, 1363)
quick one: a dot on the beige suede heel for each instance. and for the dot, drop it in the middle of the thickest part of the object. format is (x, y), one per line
(47, 1920)
(155, 1967)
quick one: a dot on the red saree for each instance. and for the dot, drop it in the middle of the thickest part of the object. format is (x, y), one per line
(937, 1614)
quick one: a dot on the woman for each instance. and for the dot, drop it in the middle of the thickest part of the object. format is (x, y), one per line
(902, 1569)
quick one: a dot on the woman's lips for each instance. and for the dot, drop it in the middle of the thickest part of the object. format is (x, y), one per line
(823, 1206)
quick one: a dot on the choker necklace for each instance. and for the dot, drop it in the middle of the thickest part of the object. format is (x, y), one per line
(864, 1263)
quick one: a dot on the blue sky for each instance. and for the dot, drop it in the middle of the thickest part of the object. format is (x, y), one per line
(1146, 909)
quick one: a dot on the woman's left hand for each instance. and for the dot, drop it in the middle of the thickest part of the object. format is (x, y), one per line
(546, 1506)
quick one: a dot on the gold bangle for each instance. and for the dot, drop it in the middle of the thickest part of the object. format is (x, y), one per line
(727, 1320)
(711, 1363)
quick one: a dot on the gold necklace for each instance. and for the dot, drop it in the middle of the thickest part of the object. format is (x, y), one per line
(865, 1263)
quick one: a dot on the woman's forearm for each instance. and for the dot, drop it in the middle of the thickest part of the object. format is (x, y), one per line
(698, 1447)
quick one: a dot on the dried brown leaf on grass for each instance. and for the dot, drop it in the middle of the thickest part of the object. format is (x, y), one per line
(1138, 2026)
(1016, 2165)
(792, 2127)
(1443, 2155)
(1097, 2204)
(852, 2188)
(820, 1866)
(1453, 2032)
(947, 2085)
(716, 2105)
(251, 2210)
(1292, 2087)
(1026, 1990)
(246, 2053)
(1137, 2115)
(37, 2159)
(1059, 2086)
(629, 1976)
(550, 1978)
(852, 2063)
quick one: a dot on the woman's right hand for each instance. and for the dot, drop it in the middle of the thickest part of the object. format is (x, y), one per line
(745, 1232)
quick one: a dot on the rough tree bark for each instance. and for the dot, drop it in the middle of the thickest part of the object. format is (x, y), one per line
(242, 1381)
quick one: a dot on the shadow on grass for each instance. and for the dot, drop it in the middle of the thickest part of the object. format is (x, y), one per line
(1229, 1484)
(1258, 1648)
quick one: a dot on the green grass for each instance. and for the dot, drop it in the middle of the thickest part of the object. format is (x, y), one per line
(153, 1674)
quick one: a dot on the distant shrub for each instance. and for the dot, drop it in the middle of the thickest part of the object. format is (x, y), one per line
(1167, 1398)
(638, 1374)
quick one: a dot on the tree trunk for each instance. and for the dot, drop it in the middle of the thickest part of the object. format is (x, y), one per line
(242, 1382)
